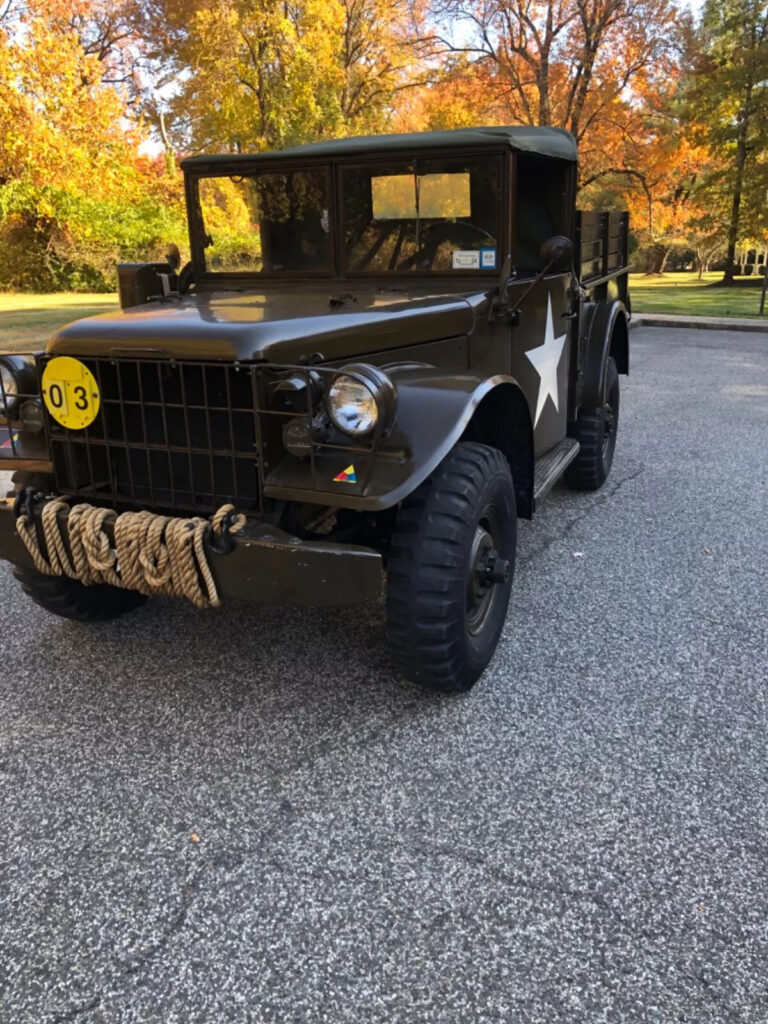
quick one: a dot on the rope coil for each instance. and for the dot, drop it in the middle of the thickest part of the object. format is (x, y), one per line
(151, 553)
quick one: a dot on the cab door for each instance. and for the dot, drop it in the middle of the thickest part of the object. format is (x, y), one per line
(540, 356)
(543, 200)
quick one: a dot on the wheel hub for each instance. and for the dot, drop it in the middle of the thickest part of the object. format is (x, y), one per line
(487, 570)
(496, 569)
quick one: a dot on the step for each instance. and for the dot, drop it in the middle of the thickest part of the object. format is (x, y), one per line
(550, 466)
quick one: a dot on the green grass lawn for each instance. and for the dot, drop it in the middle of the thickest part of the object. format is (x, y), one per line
(684, 293)
(28, 320)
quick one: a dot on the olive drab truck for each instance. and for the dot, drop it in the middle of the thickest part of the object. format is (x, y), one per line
(380, 354)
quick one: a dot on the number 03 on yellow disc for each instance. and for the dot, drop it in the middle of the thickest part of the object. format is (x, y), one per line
(70, 392)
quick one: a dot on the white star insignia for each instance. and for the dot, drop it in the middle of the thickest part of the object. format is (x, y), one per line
(546, 359)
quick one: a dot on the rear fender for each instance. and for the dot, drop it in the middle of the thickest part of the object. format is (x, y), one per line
(435, 410)
(607, 335)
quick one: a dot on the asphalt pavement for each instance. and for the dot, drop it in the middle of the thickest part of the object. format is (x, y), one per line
(243, 816)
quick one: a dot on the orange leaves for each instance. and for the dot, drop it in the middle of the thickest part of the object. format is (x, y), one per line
(591, 66)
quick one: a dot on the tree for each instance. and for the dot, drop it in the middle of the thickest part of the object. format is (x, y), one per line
(75, 194)
(583, 65)
(729, 100)
(661, 178)
(254, 74)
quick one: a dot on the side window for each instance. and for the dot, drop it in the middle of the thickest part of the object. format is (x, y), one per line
(541, 207)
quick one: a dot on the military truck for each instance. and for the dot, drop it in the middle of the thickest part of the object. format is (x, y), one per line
(381, 353)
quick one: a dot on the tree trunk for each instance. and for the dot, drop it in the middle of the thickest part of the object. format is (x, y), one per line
(657, 258)
(738, 185)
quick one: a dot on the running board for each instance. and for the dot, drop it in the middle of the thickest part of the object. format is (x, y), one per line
(551, 466)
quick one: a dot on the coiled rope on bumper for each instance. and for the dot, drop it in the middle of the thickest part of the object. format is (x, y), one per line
(151, 553)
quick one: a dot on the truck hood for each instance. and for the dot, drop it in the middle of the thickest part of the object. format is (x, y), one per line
(277, 325)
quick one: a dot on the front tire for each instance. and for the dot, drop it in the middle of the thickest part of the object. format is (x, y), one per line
(450, 569)
(70, 599)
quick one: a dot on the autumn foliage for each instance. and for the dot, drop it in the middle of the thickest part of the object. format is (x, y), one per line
(98, 99)
(76, 194)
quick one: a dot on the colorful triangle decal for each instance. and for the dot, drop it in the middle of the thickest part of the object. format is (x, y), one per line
(346, 476)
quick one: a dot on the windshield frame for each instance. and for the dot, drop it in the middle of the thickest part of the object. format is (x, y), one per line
(333, 170)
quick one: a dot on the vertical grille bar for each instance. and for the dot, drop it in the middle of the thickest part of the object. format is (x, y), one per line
(100, 423)
(209, 439)
(235, 489)
(69, 454)
(110, 463)
(187, 436)
(142, 406)
(165, 432)
(88, 456)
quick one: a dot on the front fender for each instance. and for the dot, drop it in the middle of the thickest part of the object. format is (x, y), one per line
(434, 409)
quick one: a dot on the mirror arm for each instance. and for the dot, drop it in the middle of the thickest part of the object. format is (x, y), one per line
(501, 311)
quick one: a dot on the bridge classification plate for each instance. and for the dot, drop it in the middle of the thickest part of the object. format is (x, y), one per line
(70, 392)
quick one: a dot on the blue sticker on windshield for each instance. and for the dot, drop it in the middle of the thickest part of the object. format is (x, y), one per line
(488, 259)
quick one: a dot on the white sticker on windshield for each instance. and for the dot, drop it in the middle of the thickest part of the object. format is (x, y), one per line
(466, 259)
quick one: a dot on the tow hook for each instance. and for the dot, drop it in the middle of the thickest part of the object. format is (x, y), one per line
(223, 542)
(25, 502)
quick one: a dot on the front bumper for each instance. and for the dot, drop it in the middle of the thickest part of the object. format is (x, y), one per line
(267, 566)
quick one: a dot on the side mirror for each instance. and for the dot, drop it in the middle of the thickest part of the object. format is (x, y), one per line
(173, 257)
(556, 251)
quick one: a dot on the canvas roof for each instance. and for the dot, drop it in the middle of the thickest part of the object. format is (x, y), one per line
(553, 142)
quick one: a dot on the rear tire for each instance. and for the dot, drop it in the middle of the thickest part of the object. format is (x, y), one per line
(596, 433)
(450, 569)
(69, 599)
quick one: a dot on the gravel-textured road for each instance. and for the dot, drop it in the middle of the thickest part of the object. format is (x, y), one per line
(243, 817)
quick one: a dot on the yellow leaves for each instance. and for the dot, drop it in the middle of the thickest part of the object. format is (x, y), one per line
(74, 187)
(274, 73)
(61, 125)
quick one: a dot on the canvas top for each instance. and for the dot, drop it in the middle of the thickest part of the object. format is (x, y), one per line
(552, 142)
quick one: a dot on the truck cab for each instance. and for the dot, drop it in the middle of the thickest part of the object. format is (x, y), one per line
(382, 351)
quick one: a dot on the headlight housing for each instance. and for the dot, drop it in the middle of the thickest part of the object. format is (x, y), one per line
(18, 381)
(361, 399)
(32, 416)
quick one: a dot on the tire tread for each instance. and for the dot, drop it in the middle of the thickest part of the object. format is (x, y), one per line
(426, 579)
(70, 599)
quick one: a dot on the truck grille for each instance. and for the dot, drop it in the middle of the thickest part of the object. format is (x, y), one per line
(167, 435)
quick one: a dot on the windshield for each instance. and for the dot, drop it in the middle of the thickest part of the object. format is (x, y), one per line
(266, 223)
(430, 215)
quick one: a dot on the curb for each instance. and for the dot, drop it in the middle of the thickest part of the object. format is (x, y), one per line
(704, 323)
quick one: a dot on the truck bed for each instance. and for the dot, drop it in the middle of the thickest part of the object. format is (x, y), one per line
(602, 252)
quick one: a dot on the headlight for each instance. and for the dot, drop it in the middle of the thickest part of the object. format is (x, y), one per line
(18, 381)
(361, 398)
(352, 406)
